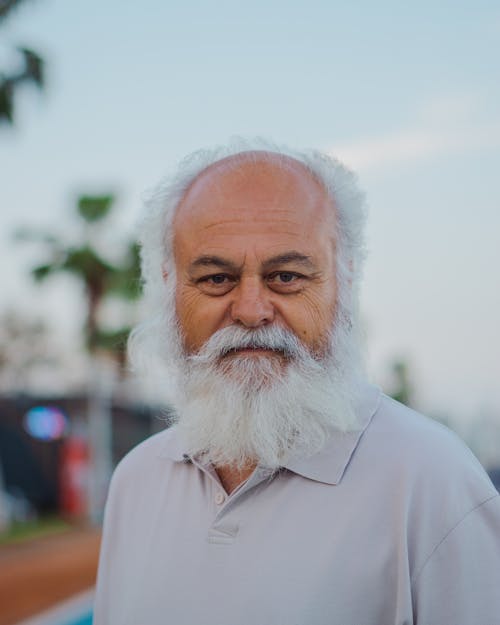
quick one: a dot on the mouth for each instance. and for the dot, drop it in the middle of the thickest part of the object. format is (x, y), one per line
(251, 351)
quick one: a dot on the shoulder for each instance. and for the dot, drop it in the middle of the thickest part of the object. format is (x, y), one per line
(396, 419)
(424, 466)
(143, 461)
(422, 443)
(422, 458)
(426, 475)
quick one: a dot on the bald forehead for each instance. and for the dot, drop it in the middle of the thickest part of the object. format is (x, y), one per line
(257, 161)
(251, 168)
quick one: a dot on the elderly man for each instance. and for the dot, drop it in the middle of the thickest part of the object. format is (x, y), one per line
(289, 491)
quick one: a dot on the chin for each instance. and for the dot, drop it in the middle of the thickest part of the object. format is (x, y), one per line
(254, 371)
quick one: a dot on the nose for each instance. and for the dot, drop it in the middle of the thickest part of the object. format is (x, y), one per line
(251, 306)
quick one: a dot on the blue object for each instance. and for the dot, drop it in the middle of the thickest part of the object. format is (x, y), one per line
(47, 423)
(85, 620)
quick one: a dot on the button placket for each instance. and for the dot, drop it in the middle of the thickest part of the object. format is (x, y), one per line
(219, 498)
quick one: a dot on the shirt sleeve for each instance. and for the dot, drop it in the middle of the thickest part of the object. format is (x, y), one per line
(459, 584)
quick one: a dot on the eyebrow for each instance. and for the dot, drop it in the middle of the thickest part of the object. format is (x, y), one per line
(280, 259)
(290, 257)
(211, 261)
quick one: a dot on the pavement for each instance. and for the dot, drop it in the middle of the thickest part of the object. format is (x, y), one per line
(39, 573)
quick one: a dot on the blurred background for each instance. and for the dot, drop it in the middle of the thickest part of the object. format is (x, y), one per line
(98, 100)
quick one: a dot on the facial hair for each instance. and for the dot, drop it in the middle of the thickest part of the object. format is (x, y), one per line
(239, 407)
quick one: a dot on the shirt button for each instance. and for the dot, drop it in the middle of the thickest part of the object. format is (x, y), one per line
(219, 498)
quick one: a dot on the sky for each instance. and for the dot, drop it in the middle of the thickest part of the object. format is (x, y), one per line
(406, 94)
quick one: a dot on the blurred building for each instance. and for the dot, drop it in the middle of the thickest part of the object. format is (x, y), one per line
(41, 474)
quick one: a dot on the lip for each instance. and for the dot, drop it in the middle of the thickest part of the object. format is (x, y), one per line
(250, 351)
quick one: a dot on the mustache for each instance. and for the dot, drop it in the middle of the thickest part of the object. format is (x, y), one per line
(230, 340)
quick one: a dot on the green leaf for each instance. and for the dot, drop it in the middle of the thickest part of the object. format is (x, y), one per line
(33, 66)
(42, 271)
(86, 263)
(6, 7)
(6, 101)
(94, 207)
(25, 233)
(125, 280)
(114, 341)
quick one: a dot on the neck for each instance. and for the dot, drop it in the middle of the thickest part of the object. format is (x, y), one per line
(232, 477)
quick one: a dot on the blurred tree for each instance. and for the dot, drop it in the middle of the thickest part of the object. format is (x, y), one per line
(31, 70)
(101, 277)
(24, 348)
(402, 389)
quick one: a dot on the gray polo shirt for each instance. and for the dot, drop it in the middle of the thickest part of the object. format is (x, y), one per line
(396, 524)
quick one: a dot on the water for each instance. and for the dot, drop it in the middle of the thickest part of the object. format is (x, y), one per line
(76, 610)
(84, 620)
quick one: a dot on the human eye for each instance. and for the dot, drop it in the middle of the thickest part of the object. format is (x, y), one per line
(218, 278)
(216, 284)
(285, 281)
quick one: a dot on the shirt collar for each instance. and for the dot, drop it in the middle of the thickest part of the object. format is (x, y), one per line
(329, 464)
(326, 466)
(173, 446)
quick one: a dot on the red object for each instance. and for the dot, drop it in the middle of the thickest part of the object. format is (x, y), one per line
(74, 477)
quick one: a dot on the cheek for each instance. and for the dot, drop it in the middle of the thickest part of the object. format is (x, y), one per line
(199, 316)
(312, 316)
(185, 304)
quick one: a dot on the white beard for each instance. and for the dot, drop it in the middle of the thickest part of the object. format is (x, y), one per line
(240, 409)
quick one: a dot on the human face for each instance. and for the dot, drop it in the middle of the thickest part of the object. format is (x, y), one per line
(253, 246)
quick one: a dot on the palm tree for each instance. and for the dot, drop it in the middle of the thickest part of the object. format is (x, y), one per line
(31, 70)
(101, 278)
(402, 390)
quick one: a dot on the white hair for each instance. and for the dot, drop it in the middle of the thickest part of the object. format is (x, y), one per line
(238, 408)
(148, 341)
